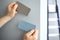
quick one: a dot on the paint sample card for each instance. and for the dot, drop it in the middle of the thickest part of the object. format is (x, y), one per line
(23, 25)
(23, 8)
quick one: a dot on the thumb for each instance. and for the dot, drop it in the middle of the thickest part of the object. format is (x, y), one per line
(15, 7)
(35, 33)
(30, 33)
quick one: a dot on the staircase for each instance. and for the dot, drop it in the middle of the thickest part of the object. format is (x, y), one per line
(53, 20)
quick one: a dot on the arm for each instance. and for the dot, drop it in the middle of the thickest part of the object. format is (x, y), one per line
(4, 20)
(11, 13)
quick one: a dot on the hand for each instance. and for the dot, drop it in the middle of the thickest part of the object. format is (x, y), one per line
(11, 13)
(12, 9)
(32, 35)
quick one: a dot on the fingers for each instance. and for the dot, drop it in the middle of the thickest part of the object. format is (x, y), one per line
(30, 33)
(35, 34)
(11, 5)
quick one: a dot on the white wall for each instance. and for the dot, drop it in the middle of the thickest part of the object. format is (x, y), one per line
(43, 20)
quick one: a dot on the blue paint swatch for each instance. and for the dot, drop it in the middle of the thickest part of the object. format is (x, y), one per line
(23, 25)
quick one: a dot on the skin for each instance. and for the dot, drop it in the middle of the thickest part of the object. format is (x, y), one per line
(12, 11)
(32, 35)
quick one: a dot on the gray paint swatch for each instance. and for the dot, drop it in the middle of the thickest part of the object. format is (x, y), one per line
(23, 9)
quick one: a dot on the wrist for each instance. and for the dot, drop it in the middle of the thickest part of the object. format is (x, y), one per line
(9, 16)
